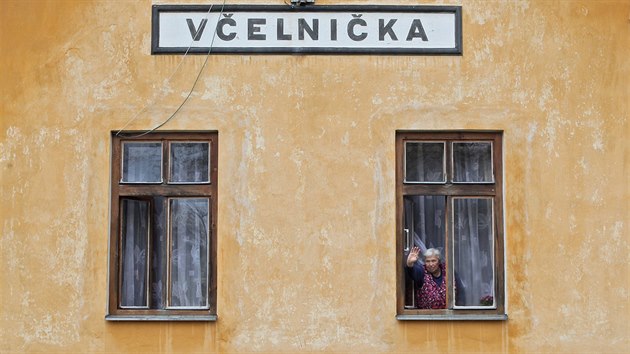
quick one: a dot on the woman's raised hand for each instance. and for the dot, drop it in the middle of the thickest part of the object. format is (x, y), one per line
(413, 256)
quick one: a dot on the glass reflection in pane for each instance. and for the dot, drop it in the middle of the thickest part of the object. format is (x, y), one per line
(424, 162)
(189, 218)
(142, 162)
(134, 257)
(472, 162)
(473, 251)
(190, 162)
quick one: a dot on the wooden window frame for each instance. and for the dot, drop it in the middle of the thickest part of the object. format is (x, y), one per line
(167, 190)
(450, 190)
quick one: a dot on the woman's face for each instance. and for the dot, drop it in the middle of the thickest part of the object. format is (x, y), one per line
(432, 263)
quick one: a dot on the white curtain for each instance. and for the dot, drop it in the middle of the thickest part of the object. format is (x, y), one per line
(473, 227)
(189, 252)
(190, 162)
(158, 253)
(473, 250)
(135, 223)
(424, 161)
(142, 162)
(425, 220)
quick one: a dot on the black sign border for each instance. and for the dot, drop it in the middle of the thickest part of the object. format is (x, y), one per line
(157, 9)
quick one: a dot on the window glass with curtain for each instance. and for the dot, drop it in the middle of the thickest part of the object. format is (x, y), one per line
(449, 202)
(163, 232)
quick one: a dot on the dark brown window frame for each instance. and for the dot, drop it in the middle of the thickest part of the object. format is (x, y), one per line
(449, 189)
(164, 189)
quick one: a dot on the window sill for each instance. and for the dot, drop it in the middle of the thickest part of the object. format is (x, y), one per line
(204, 318)
(452, 317)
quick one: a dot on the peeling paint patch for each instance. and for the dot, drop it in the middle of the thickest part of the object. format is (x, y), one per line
(596, 197)
(216, 89)
(297, 156)
(598, 141)
(346, 139)
(572, 223)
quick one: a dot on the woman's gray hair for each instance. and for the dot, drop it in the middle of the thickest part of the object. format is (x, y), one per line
(432, 252)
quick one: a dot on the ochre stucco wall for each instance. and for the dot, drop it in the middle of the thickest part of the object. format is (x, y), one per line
(306, 223)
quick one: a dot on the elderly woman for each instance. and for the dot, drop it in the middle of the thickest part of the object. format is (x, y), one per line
(429, 278)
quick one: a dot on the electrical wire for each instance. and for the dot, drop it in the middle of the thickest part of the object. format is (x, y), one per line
(167, 81)
(191, 89)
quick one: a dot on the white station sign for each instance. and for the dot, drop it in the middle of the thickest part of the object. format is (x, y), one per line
(307, 29)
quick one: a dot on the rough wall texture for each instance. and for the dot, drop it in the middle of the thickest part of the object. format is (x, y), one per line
(306, 223)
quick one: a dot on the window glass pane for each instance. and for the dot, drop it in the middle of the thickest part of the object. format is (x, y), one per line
(190, 162)
(424, 227)
(472, 162)
(189, 252)
(134, 257)
(142, 162)
(473, 251)
(424, 162)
